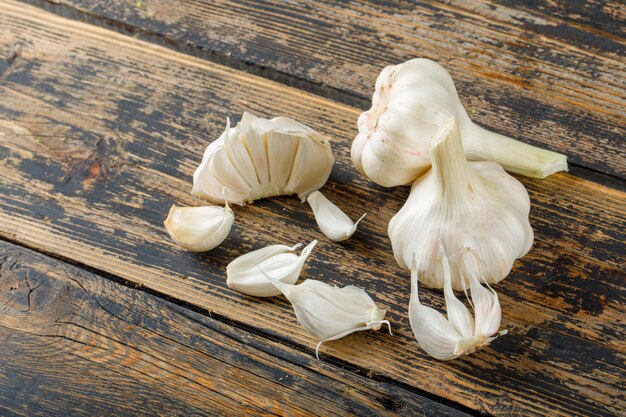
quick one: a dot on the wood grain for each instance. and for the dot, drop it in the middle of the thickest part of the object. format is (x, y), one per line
(549, 73)
(72, 340)
(104, 131)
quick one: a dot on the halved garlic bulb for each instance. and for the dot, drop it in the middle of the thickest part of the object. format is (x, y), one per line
(460, 333)
(263, 158)
(462, 204)
(252, 273)
(330, 313)
(411, 102)
(199, 229)
(333, 222)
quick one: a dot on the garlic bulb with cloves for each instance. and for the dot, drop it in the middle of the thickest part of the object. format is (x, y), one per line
(333, 222)
(330, 313)
(199, 229)
(263, 158)
(460, 333)
(462, 204)
(411, 102)
(278, 262)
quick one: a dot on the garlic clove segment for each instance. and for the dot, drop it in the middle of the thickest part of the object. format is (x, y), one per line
(199, 229)
(252, 273)
(330, 313)
(262, 158)
(460, 333)
(411, 102)
(462, 204)
(333, 222)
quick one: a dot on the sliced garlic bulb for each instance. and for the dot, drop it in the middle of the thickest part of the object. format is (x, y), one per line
(249, 273)
(411, 102)
(199, 229)
(460, 333)
(330, 313)
(462, 204)
(333, 222)
(263, 158)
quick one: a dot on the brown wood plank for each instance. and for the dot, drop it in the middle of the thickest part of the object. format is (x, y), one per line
(103, 132)
(556, 81)
(73, 342)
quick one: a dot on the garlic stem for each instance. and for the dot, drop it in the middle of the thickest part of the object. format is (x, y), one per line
(513, 155)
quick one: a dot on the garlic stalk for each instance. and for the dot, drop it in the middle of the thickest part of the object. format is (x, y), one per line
(278, 262)
(263, 158)
(411, 102)
(199, 229)
(462, 204)
(330, 313)
(333, 222)
(460, 333)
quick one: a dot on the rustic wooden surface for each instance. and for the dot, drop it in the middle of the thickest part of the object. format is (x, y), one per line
(100, 133)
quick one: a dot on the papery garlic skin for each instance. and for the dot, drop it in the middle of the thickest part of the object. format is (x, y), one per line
(253, 272)
(333, 222)
(411, 102)
(199, 229)
(460, 333)
(330, 313)
(262, 158)
(462, 204)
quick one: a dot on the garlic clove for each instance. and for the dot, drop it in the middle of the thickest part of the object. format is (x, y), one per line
(278, 262)
(333, 222)
(199, 229)
(262, 158)
(410, 103)
(330, 313)
(462, 204)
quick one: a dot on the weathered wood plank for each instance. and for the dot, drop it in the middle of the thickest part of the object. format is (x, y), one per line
(103, 133)
(550, 81)
(72, 340)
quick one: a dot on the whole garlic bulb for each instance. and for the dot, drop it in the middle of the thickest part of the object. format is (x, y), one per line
(263, 158)
(460, 205)
(411, 102)
(199, 229)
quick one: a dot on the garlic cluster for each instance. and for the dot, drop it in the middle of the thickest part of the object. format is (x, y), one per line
(461, 204)
(263, 158)
(330, 313)
(253, 272)
(459, 333)
(333, 222)
(411, 102)
(199, 229)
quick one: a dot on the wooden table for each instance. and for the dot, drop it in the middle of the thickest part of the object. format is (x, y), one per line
(105, 109)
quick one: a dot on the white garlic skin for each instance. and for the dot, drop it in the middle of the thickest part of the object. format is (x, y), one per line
(333, 222)
(253, 272)
(262, 158)
(461, 205)
(411, 102)
(199, 229)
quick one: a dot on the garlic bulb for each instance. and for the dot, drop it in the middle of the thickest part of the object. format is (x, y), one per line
(330, 313)
(411, 102)
(462, 204)
(199, 229)
(277, 262)
(263, 158)
(460, 333)
(333, 222)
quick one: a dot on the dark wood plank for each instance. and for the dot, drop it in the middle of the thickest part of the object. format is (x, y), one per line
(72, 340)
(103, 132)
(547, 80)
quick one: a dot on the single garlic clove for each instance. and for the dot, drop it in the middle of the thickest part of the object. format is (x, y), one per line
(330, 313)
(462, 204)
(199, 229)
(278, 262)
(333, 222)
(262, 158)
(411, 102)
